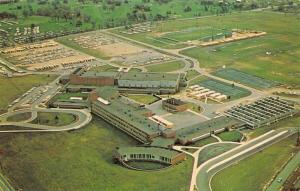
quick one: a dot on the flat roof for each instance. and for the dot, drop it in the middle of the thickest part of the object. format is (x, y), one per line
(91, 73)
(127, 110)
(206, 127)
(158, 151)
(149, 76)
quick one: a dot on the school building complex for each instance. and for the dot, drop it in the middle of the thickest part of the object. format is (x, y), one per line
(131, 82)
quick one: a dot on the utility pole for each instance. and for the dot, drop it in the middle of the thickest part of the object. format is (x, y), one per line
(298, 138)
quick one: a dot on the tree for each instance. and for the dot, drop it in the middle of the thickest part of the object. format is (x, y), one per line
(187, 9)
(25, 13)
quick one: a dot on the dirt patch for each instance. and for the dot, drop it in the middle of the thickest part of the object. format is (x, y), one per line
(119, 49)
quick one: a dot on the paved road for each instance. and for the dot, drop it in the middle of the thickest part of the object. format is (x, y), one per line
(207, 170)
(292, 165)
(83, 117)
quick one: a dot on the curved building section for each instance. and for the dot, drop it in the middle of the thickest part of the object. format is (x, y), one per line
(149, 153)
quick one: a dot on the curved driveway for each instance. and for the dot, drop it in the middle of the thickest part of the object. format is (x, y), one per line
(207, 170)
(83, 117)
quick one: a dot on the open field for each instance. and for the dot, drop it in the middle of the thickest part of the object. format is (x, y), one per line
(274, 56)
(19, 117)
(289, 122)
(99, 14)
(166, 67)
(233, 136)
(190, 74)
(16, 86)
(81, 160)
(213, 151)
(205, 141)
(286, 174)
(54, 119)
(99, 45)
(254, 172)
(142, 98)
(104, 68)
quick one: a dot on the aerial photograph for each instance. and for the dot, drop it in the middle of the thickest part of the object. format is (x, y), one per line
(149, 95)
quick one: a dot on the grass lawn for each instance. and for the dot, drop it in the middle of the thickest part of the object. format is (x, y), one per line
(81, 160)
(244, 175)
(205, 141)
(197, 80)
(135, 70)
(166, 67)
(143, 98)
(195, 107)
(250, 55)
(19, 117)
(54, 119)
(233, 136)
(289, 122)
(104, 68)
(145, 165)
(12, 88)
(192, 74)
(213, 151)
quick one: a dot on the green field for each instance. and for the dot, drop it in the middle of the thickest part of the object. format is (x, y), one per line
(213, 151)
(81, 160)
(250, 55)
(289, 122)
(12, 88)
(104, 68)
(244, 78)
(297, 185)
(205, 141)
(67, 15)
(254, 172)
(190, 74)
(135, 70)
(194, 107)
(19, 117)
(145, 165)
(233, 136)
(142, 98)
(166, 67)
(54, 119)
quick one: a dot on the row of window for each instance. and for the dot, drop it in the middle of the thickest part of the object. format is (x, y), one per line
(141, 156)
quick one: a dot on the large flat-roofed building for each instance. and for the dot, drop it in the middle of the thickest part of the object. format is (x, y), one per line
(160, 83)
(263, 112)
(149, 153)
(203, 130)
(131, 82)
(83, 77)
(124, 114)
